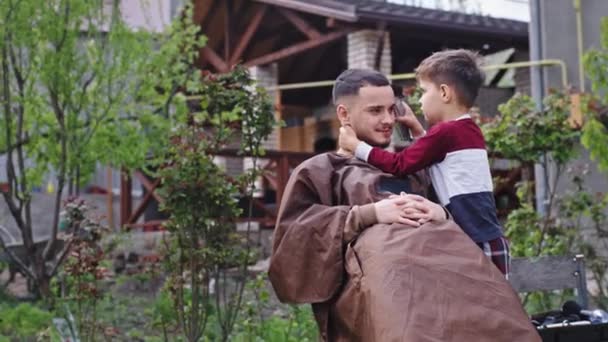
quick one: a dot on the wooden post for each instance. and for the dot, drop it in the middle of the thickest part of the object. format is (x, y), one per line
(227, 30)
(125, 197)
(248, 34)
(110, 197)
(278, 115)
(282, 176)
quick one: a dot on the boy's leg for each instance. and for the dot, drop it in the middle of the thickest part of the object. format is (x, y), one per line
(498, 251)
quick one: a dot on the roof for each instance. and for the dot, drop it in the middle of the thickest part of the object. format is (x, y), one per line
(370, 10)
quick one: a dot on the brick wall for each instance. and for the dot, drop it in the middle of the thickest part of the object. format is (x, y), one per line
(362, 46)
(268, 76)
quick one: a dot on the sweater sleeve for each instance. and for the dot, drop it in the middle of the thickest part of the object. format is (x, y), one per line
(425, 151)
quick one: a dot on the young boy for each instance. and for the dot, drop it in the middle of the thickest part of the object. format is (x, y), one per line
(453, 149)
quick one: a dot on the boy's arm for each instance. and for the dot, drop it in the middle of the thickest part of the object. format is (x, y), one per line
(424, 152)
(406, 117)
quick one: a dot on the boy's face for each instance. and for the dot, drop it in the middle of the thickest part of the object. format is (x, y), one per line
(371, 114)
(433, 100)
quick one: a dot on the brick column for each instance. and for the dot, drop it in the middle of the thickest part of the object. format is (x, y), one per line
(268, 76)
(362, 46)
(362, 50)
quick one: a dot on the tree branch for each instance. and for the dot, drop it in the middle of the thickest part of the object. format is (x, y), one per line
(13, 257)
(60, 116)
(10, 169)
(62, 256)
(25, 201)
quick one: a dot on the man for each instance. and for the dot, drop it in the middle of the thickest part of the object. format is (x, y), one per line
(371, 274)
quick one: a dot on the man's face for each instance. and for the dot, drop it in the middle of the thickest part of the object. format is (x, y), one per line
(431, 101)
(372, 114)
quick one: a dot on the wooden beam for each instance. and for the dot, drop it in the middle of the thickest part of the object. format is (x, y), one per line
(150, 187)
(210, 56)
(248, 34)
(261, 47)
(145, 201)
(379, 49)
(227, 29)
(282, 177)
(201, 10)
(297, 48)
(125, 197)
(213, 28)
(300, 23)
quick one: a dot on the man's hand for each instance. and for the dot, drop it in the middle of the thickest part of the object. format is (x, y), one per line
(420, 209)
(348, 139)
(392, 210)
(409, 120)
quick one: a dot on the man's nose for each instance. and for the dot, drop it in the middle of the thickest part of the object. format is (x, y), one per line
(388, 117)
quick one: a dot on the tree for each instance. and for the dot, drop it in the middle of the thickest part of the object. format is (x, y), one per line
(595, 129)
(205, 247)
(527, 135)
(79, 87)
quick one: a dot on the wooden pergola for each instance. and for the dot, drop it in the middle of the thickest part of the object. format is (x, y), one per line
(256, 33)
(307, 38)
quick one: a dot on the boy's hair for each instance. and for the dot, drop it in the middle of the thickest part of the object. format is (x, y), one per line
(457, 68)
(351, 80)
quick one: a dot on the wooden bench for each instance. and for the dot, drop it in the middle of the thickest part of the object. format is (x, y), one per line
(549, 273)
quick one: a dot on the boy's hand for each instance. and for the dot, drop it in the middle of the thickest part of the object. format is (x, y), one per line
(392, 210)
(348, 139)
(420, 209)
(409, 120)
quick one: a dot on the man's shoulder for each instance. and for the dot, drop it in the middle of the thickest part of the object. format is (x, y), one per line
(324, 162)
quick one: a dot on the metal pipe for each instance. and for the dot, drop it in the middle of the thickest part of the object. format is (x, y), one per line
(408, 76)
(537, 80)
(540, 63)
(579, 43)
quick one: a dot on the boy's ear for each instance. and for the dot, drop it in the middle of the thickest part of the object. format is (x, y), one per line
(343, 116)
(445, 92)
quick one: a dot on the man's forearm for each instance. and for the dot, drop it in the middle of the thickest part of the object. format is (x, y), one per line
(359, 218)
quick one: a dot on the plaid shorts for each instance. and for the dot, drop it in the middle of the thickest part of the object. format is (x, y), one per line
(498, 251)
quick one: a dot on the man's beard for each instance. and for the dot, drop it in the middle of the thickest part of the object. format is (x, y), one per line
(382, 146)
(375, 144)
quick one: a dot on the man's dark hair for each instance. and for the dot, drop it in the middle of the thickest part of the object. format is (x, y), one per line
(456, 68)
(351, 80)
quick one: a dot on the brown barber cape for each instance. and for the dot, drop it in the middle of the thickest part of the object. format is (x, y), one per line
(393, 282)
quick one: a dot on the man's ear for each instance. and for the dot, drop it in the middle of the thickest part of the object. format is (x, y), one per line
(343, 116)
(445, 91)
